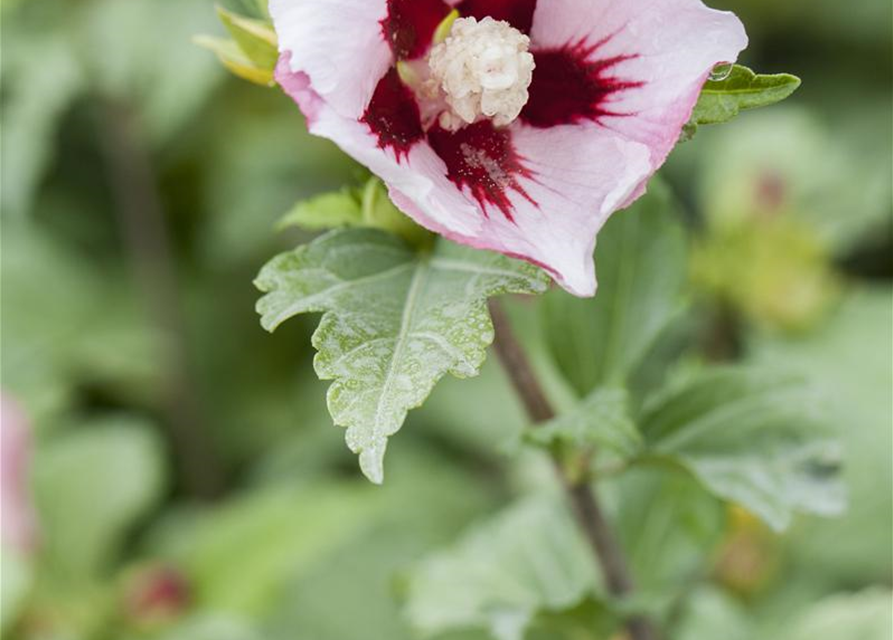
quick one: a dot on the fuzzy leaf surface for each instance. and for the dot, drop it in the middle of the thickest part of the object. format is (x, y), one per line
(395, 320)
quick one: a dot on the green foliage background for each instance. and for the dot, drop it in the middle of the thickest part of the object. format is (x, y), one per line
(176, 442)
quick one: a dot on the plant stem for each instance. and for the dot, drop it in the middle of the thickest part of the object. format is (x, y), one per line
(586, 506)
(141, 213)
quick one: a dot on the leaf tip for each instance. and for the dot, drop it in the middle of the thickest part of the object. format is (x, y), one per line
(372, 466)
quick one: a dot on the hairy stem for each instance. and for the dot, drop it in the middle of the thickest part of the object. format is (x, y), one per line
(586, 506)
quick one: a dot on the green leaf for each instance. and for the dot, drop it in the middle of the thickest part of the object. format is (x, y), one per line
(241, 555)
(668, 525)
(90, 487)
(326, 211)
(213, 626)
(722, 100)
(589, 620)
(395, 321)
(15, 583)
(263, 7)
(252, 53)
(528, 560)
(232, 57)
(255, 38)
(43, 81)
(847, 358)
(858, 616)
(709, 613)
(380, 213)
(367, 207)
(750, 436)
(641, 266)
(601, 420)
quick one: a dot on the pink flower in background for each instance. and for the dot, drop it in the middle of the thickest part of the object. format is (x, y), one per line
(524, 129)
(18, 525)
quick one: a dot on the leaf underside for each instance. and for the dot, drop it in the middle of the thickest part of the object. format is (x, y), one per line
(394, 322)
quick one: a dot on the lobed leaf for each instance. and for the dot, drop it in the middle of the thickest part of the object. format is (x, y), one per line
(753, 437)
(394, 322)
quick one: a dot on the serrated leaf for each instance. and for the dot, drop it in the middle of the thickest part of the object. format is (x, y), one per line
(528, 560)
(641, 267)
(394, 322)
(255, 38)
(722, 100)
(601, 420)
(750, 436)
(232, 57)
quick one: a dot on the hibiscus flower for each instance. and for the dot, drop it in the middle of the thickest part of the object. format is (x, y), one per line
(512, 125)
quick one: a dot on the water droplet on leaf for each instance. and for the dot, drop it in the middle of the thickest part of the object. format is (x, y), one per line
(721, 72)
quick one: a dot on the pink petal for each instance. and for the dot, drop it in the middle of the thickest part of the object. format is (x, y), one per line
(413, 169)
(573, 177)
(617, 81)
(19, 524)
(338, 44)
(658, 54)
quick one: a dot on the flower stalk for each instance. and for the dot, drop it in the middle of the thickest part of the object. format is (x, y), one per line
(587, 509)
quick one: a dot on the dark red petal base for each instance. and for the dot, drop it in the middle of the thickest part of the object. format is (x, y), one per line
(482, 160)
(569, 87)
(410, 25)
(518, 13)
(393, 115)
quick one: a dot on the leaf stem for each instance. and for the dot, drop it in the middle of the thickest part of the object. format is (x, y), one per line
(587, 508)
